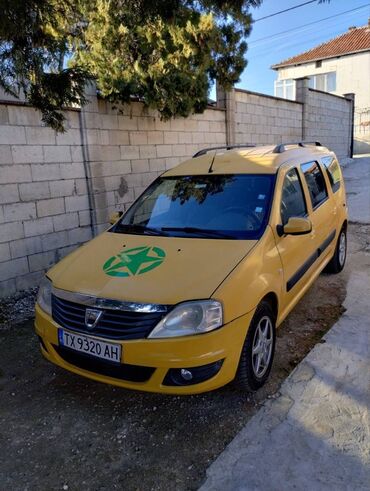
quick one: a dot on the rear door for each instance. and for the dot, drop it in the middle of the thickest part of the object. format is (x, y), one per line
(322, 210)
(336, 184)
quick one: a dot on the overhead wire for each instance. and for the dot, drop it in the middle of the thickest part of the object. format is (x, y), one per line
(309, 24)
(283, 11)
(286, 44)
(290, 44)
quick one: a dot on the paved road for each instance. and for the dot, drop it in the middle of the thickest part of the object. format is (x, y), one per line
(357, 176)
(316, 435)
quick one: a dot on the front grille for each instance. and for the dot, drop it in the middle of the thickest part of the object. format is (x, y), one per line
(131, 373)
(113, 324)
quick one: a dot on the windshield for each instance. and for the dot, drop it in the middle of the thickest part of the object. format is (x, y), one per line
(211, 206)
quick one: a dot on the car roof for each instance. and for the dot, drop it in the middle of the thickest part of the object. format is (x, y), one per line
(253, 160)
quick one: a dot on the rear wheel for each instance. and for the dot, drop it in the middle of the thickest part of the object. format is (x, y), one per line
(258, 350)
(339, 259)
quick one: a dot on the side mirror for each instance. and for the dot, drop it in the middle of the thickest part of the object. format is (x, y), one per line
(297, 226)
(116, 215)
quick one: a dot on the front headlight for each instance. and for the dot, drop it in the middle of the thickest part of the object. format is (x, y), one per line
(44, 295)
(189, 318)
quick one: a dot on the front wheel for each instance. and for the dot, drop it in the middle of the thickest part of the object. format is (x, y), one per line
(258, 350)
(339, 259)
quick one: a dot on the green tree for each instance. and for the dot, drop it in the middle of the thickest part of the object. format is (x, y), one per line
(166, 53)
(35, 38)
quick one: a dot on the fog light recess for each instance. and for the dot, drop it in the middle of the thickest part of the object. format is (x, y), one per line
(192, 375)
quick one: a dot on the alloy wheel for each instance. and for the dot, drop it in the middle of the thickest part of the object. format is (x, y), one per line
(262, 347)
(342, 248)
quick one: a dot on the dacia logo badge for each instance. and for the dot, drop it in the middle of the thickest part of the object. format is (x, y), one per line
(92, 317)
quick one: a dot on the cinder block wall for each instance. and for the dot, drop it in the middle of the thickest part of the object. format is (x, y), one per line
(58, 190)
(316, 115)
(264, 120)
(328, 120)
(43, 198)
(52, 186)
(128, 149)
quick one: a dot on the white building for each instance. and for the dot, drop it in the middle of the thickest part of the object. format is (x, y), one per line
(339, 66)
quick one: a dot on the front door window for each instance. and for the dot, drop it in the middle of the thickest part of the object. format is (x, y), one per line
(292, 201)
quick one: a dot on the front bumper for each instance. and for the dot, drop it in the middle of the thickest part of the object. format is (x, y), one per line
(223, 345)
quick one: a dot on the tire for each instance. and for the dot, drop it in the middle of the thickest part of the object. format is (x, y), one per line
(338, 261)
(248, 377)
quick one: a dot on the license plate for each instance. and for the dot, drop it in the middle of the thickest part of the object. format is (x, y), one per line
(90, 346)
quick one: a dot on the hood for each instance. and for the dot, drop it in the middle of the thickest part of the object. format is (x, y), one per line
(149, 269)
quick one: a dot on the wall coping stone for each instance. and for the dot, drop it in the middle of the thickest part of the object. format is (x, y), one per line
(268, 96)
(341, 97)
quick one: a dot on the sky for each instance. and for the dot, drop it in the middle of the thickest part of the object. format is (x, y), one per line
(262, 53)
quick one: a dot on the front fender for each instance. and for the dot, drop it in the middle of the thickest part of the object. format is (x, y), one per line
(259, 273)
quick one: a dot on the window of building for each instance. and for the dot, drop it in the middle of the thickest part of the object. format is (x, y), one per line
(315, 183)
(332, 168)
(293, 203)
(326, 82)
(331, 82)
(318, 64)
(285, 88)
(320, 82)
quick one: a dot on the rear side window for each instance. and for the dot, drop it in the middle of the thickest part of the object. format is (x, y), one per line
(333, 171)
(315, 183)
(292, 201)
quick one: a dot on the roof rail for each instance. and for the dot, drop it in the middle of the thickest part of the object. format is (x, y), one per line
(224, 147)
(281, 147)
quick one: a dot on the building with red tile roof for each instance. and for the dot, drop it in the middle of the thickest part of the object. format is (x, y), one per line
(355, 40)
(338, 66)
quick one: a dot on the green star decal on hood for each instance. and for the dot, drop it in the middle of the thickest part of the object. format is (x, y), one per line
(132, 262)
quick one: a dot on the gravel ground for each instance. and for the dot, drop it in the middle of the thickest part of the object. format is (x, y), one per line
(61, 431)
(17, 308)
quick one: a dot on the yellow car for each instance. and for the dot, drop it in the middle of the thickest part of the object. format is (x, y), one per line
(183, 293)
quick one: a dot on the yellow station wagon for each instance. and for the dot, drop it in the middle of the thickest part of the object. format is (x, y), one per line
(183, 293)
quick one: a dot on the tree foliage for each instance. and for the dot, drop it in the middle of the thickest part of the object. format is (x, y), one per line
(166, 53)
(35, 37)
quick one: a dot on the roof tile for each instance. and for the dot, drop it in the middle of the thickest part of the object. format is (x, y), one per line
(355, 40)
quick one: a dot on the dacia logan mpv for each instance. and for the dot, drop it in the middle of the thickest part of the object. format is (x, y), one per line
(184, 292)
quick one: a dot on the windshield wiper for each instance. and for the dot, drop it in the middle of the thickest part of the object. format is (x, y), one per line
(142, 229)
(198, 231)
(137, 228)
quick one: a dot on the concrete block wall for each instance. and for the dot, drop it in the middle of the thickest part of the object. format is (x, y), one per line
(261, 119)
(326, 118)
(264, 120)
(58, 190)
(53, 186)
(43, 196)
(128, 148)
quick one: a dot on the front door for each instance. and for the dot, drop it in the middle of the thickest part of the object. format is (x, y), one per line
(296, 251)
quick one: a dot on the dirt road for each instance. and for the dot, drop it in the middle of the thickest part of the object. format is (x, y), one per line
(60, 431)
